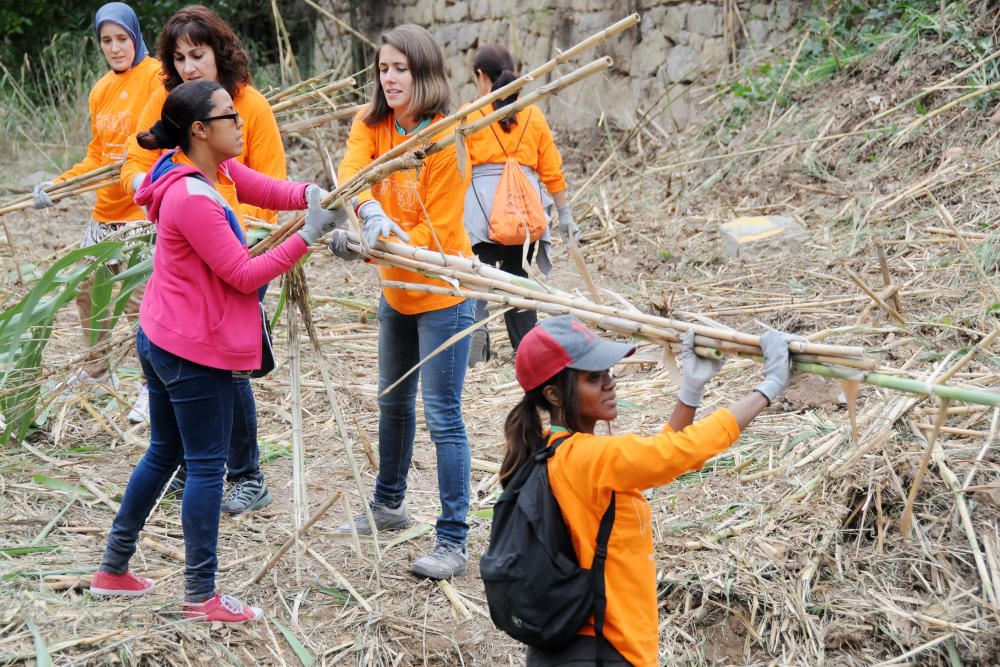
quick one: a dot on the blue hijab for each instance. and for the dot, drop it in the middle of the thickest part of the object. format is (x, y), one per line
(124, 16)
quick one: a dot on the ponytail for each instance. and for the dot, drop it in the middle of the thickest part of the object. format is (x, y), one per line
(187, 103)
(523, 429)
(523, 432)
(495, 61)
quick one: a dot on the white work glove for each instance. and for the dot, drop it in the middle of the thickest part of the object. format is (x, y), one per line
(338, 245)
(697, 372)
(40, 196)
(319, 220)
(377, 223)
(777, 363)
(137, 181)
(566, 224)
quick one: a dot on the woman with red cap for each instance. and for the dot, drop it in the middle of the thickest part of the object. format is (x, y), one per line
(564, 368)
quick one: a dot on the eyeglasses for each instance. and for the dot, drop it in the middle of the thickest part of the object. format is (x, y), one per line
(226, 116)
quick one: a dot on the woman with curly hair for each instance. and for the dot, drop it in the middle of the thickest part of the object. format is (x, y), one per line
(196, 44)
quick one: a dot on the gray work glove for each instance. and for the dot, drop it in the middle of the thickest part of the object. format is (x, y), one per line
(338, 246)
(41, 197)
(566, 224)
(377, 223)
(137, 180)
(697, 372)
(319, 220)
(777, 363)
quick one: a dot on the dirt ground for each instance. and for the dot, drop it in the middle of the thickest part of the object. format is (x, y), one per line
(784, 550)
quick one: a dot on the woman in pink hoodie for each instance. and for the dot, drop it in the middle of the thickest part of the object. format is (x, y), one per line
(199, 322)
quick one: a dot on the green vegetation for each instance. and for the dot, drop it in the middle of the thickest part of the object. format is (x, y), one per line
(855, 31)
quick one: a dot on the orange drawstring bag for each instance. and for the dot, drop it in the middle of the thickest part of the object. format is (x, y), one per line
(517, 216)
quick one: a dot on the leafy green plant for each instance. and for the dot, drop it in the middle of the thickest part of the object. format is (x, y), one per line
(25, 328)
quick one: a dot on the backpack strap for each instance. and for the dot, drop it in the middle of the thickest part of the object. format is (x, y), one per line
(597, 568)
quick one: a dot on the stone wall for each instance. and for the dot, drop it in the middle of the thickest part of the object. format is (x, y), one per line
(676, 44)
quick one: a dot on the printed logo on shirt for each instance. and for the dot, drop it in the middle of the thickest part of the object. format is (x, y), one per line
(115, 127)
(403, 195)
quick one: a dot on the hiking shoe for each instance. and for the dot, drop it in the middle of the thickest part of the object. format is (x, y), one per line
(479, 349)
(129, 585)
(244, 495)
(444, 562)
(386, 518)
(140, 409)
(222, 609)
(176, 485)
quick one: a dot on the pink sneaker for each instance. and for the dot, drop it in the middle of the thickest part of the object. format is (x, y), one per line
(222, 609)
(105, 583)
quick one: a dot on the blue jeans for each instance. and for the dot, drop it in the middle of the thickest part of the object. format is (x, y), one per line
(403, 340)
(243, 460)
(190, 418)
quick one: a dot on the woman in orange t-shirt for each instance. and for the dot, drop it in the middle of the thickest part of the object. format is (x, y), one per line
(196, 44)
(563, 368)
(526, 137)
(424, 208)
(115, 102)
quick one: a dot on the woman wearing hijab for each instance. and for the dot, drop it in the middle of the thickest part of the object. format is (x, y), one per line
(115, 103)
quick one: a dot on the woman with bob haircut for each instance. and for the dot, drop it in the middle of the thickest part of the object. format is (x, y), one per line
(526, 137)
(196, 44)
(565, 371)
(199, 322)
(423, 208)
(114, 102)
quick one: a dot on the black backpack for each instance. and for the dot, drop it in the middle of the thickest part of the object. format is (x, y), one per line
(536, 590)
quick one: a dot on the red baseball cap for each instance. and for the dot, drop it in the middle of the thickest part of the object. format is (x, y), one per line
(564, 342)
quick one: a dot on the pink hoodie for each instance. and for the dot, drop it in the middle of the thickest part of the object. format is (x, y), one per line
(201, 301)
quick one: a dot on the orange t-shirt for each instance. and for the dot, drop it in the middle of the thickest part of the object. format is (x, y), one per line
(584, 471)
(437, 185)
(262, 147)
(115, 102)
(529, 142)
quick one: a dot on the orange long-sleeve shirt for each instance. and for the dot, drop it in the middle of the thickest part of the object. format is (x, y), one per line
(115, 102)
(584, 471)
(529, 142)
(262, 147)
(437, 185)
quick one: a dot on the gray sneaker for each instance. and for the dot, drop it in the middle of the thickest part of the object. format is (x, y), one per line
(245, 495)
(444, 562)
(386, 518)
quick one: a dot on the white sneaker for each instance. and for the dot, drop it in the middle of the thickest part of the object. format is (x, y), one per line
(82, 380)
(140, 409)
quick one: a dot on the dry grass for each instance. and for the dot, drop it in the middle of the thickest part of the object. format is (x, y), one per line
(784, 550)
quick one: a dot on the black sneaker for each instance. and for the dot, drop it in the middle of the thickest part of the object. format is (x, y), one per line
(176, 485)
(479, 350)
(245, 495)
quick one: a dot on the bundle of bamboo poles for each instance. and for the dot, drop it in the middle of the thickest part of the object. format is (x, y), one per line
(410, 153)
(315, 99)
(85, 182)
(470, 278)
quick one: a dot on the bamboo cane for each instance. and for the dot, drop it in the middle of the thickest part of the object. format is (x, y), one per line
(420, 259)
(380, 168)
(622, 326)
(450, 121)
(293, 102)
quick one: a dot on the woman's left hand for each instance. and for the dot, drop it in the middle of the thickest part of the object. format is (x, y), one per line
(319, 220)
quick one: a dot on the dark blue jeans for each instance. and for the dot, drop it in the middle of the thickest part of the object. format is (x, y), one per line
(403, 340)
(190, 420)
(243, 460)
